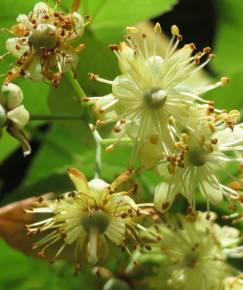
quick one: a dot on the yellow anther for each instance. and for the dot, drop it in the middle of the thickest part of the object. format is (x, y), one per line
(225, 80)
(175, 30)
(157, 28)
(132, 29)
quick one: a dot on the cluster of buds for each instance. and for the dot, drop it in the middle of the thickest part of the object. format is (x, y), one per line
(42, 44)
(13, 115)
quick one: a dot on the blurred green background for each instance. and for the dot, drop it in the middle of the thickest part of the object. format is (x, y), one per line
(57, 146)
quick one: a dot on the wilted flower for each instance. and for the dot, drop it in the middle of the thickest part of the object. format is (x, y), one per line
(13, 115)
(42, 44)
(194, 253)
(88, 218)
(153, 93)
(203, 152)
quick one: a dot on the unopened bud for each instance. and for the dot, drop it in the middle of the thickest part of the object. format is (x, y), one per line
(116, 284)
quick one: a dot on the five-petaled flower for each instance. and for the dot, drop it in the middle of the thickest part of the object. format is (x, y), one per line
(154, 92)
(96, 212)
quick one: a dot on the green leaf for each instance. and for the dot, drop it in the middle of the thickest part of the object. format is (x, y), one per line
(122, 13)
(35, 274)
(229, 39)
(229, 97)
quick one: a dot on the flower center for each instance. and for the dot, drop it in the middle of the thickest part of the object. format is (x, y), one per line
(44, 37)
(191, 260)
(95, 220)
(155, 98)
(3, 117)
(197, 156)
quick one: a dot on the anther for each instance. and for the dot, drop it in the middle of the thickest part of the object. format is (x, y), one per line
(225, 80)
(131, 29)
(207, 49)
(93, 77)
(214, 141)
(175, 30)
(110, 148)
(114, 47)
(157, 28)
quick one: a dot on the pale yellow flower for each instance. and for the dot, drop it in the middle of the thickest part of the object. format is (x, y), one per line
(214, 143)
(193, 253)
(154, 92)
(88, 218)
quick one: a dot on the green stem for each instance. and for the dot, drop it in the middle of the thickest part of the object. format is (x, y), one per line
(78, 89)
(114, 140)
(55, 117)
(98, 155)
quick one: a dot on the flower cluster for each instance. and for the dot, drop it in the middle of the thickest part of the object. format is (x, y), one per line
(89, 217)
(194, 254)
(157, 104)
(42, 44)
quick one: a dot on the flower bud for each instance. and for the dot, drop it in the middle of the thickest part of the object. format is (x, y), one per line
(40, 7)
(151, 152)
(116, 284)
(44, 37)
(19, 116)
(78, 22)
(16, 48)
(3, 117)
(35, 70)
(40, 10)
(12, 96)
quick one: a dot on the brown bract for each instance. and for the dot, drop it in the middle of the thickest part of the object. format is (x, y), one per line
(13, 220)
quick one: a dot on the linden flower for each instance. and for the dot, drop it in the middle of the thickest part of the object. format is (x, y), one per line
(42, 44)
(232, 283)
(88, 218)
(195, 253)
(13, 115)
(152, 94)
(203, 152)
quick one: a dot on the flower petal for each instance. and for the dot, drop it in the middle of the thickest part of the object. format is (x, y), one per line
(164, 196)
(19, 116)
(12, 96)
(211, 190)
(116, 232)
(14, 42)
(79, 180)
